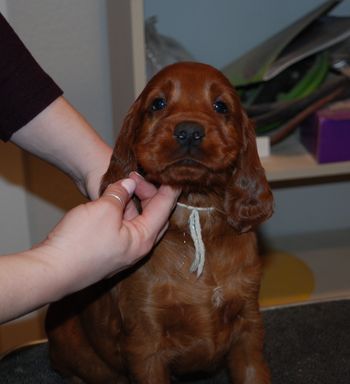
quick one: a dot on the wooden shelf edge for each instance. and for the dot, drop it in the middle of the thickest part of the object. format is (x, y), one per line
(285, 168)
(289, 161)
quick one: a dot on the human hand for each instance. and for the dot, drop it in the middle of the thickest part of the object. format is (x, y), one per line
(102, 237)
(91, 242)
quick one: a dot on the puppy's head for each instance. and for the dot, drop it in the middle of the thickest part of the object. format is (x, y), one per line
(188, 129)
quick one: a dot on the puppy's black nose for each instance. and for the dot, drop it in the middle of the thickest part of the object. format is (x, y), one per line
(189, 133)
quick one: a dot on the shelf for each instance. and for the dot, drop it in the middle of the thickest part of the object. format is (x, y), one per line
(289, 161)
(306, 267)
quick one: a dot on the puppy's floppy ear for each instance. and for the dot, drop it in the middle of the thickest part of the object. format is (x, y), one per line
(248, 200)
(123, 159)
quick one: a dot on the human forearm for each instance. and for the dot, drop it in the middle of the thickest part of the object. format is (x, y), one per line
(61, 136)
(29, 280)
(36, 277)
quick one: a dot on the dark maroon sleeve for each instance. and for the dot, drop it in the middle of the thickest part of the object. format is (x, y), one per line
(25, 89)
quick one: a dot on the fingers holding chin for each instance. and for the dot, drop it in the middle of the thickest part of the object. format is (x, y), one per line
(144, 190)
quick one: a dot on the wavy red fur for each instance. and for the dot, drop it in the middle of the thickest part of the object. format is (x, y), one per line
(156, 320)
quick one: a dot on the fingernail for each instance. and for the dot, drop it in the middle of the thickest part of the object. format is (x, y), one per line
(177, 191)
(129, 185)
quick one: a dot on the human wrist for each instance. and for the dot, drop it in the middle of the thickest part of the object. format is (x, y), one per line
(62, 137)
(91, 178)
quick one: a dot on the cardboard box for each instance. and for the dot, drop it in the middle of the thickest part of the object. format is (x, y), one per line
(326, 134)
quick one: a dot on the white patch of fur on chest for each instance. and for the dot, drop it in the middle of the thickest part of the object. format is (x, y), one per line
(217, 297)
(250, 374)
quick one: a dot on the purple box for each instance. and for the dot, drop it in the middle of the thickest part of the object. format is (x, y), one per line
(326, 134)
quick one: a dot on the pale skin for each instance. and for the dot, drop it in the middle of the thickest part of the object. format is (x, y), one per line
(61, 136)
(92, 241)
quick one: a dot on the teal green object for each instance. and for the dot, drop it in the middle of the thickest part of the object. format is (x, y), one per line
(311, 81)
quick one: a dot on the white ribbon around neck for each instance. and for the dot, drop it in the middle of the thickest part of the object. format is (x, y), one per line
(196, 235)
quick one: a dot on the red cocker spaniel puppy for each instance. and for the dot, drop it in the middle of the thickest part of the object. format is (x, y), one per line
(192, 304)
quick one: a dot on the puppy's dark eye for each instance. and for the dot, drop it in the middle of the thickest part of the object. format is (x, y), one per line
(220, 107)
(158, 104)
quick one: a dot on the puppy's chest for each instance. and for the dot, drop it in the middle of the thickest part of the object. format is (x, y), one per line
(195, 304)
(183, 305)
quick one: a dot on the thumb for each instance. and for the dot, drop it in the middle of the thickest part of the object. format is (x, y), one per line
(119, 193)
(162, 203)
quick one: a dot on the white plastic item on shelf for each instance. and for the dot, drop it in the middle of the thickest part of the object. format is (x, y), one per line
(263, 145)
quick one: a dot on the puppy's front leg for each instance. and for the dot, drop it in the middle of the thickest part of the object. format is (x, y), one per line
(246, 361)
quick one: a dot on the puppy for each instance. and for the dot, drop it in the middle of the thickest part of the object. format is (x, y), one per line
(192, 304)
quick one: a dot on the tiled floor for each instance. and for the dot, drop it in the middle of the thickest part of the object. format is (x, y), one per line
(307, 268)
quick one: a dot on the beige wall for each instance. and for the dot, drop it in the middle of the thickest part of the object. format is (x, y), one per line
(14, 234)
